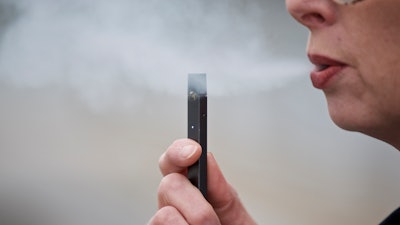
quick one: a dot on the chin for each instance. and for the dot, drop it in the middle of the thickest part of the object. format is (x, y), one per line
(352, 117)
(352, 114)
(363, 122)
(346, 123)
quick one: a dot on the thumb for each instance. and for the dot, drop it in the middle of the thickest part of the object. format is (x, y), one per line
(223, 197)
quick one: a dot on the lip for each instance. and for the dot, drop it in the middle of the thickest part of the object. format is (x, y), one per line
(325, 69)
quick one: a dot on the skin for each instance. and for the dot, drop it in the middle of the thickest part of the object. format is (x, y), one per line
(176, 194)
(363, 97)
(365, 36)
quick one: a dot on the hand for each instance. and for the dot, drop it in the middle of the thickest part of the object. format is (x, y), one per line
(179, 202)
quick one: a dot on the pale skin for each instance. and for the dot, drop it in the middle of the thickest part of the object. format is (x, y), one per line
(363, 97)
(176, 194)
(366, 35)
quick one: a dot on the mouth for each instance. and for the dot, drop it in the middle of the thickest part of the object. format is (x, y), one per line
(346, 2)
(325, 69)
(321, 67)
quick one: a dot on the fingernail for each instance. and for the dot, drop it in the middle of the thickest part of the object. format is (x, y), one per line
(187, 151)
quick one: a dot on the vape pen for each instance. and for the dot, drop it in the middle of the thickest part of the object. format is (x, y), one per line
(197, 128)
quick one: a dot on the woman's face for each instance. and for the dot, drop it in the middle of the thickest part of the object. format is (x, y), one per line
(356, 50)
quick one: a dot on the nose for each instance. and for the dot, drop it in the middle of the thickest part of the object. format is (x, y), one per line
(313, 13)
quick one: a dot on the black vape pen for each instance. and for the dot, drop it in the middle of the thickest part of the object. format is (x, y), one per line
(197, 128)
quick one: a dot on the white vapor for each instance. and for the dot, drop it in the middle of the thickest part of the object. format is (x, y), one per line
(111, 51)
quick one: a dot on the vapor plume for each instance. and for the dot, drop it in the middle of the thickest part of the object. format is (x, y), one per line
(110, 52)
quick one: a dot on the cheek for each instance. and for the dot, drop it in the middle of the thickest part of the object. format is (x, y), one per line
(364, 100)
(389, 95)
(369, 97)
(381, 77)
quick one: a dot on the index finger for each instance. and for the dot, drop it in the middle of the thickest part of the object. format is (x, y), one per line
(179, 155)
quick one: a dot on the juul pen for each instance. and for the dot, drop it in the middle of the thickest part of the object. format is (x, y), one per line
(197, 128)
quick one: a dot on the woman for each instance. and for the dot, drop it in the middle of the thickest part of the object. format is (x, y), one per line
(355, 47)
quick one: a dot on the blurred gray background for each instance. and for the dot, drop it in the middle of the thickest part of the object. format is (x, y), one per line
(92, 92)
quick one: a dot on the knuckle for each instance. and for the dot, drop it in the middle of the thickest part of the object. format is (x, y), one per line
(168, 156)
(204, 216)
(161, 162)
(170, 182)
(166, 215)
